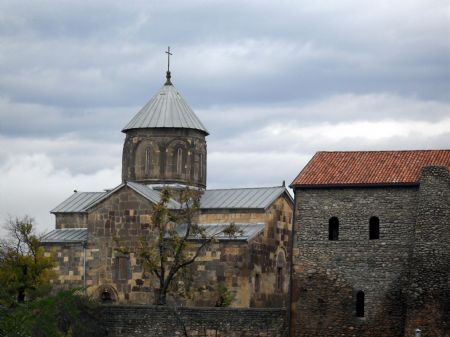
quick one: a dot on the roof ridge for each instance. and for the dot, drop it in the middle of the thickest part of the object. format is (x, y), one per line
(66, 229)
(243, 188)
(372, 151)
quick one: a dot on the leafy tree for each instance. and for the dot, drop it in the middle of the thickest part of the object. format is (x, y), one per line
(26, 308)
(25, 271)
(168, 250)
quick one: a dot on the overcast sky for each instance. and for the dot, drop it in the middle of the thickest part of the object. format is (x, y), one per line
(273, 82)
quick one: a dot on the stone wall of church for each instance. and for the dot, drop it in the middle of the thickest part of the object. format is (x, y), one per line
(115, 228)
(329, 274)
(267, 283)
(150, 321)
(69, 262)
(118, 222)
(165, 156)
(71, 220)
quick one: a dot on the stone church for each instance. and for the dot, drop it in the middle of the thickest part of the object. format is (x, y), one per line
(165, 147)
(372, 244)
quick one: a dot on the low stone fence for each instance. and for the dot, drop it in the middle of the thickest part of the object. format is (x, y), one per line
(162, 321)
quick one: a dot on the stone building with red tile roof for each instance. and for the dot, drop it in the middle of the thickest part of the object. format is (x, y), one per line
(372, 244)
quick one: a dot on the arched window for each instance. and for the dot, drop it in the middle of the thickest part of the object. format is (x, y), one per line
(281, 263)
(201, 166)
(148, 161)
(374, 228)
(179, 160)
(106, 296)
(333, 229)
(360, 304)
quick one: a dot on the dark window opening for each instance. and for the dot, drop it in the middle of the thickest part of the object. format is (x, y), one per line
(257, 283)
(360, 304)
(106, 296)
(333, 228)
(279, 279)
(374, 228)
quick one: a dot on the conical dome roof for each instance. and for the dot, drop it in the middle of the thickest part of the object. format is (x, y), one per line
(167, 109)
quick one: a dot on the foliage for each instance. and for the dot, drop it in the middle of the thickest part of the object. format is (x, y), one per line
(65, 314)
(168, 250)
(25, 271)
(225, 296)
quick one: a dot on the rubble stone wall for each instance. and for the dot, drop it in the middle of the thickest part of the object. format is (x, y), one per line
(329, 273)
(151, 321)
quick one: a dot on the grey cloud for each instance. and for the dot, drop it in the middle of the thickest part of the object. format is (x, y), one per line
(73, 73)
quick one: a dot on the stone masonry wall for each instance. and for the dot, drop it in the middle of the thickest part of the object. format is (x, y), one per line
(68, 264)
(267, 253)
(328, 274)
(119, 221)
(71, 220)
(163, 145)
(125, 217)
(256, 272)
(429, 286)
(151, 321)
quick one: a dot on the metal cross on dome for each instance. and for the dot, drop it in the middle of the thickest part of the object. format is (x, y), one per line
(168, 58)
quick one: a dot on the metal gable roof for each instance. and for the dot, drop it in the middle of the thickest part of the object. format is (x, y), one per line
(82, 201)
(78, 202)
(65, 235)
(166, 109)
(151, 194)
(249, 231)
(250, 198)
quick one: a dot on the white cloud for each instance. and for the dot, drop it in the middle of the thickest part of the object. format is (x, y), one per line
(31, 185)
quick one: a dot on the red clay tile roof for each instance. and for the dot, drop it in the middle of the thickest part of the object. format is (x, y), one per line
(369, 167)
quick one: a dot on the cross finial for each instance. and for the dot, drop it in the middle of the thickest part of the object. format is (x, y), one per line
(168, 82)
(168, 58)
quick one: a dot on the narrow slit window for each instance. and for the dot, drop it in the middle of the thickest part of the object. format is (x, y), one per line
(360, 304)
(333, 229)
(179, 160)
(201, 166)
(257, 283)
(374, 228)
(279, 279)
(122, 268)
(148, 161)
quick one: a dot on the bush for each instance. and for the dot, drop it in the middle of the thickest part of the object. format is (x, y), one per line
(65, 314)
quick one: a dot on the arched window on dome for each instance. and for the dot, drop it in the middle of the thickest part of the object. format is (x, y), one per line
(179, 160)
(148, 161)
(200, 173)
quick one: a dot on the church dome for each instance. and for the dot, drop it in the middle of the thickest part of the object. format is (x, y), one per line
(166, 109)
(165, 142)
